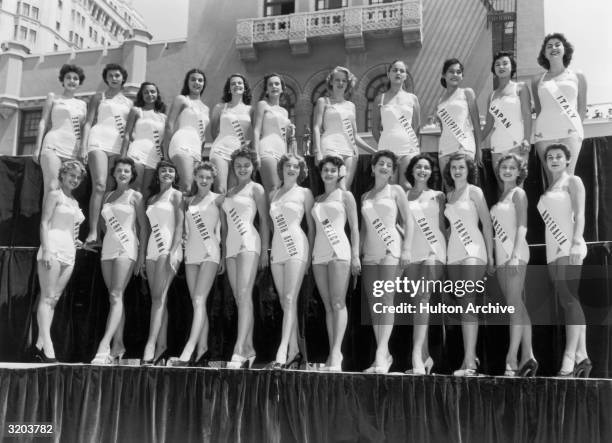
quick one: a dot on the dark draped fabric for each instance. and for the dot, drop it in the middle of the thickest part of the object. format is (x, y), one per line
(81, 313)
(124, 404)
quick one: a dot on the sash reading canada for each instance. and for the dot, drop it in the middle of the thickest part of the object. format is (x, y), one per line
(423, 224)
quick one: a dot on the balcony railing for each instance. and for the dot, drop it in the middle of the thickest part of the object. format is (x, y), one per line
(297, 29)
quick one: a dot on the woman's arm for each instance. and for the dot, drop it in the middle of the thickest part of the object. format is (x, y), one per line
(222, 244)
(485, 219)
(260, 110)
(577, 197)
(489, 123)
(525, 98)
(45, 121)
(535, 80)
(376, 120)
(259, 195)
(128, 136)
(143, 233)
(215, 117)
(351, 212)
(47, 212)
(358, 140)
(402, 205)
(416, 115)
(582, 95)
(92, 114)
(520, 206)
(317, 127)
(475, 118)
(308, 203)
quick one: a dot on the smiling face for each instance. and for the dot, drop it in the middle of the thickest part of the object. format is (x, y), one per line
(458, 170)
(71, 81)
(196, 83)
(453, 75)
(554, 49)
(149, 94)
(166, 175)
(383, 168)
(421, 171)
(397, 73)
(291, 170)
(243, 168)
(204, 179)
(556, 161)
(123, 173)
(71, 179)
(236, 86)
(274, 87)
(503, 67)
(114, 79)
(508, 171)
(330, 173)
(339, 81)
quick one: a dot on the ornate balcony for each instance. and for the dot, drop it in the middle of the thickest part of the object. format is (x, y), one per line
(353, 23)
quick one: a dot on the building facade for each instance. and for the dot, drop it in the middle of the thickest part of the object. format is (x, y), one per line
(56, 25)
(299, 39)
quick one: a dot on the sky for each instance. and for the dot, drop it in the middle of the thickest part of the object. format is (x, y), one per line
(165, 19)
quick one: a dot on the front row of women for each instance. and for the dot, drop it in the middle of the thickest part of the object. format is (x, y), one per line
(400, 233)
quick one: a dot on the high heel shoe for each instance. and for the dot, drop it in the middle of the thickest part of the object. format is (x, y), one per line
(510, 372)
(177, 362)
(567, 372)
(117, 356)
(202, 360)
(240, 362)
(468, 372)
(39, 356)
(162, 359)
(583, 369)
(385, 368)
(294, 363)
(529, 369)
(103, 358)
(335, 368)
(428, 363)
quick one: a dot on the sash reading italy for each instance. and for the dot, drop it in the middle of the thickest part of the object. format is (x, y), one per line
(449, 121)
(464, 233)
(505, 123)
(424, 226)
(282, 227)
(379, 226)
(575, 124)
(407, 125)
(328, 228)
(204, 230)
(120, 231)
(502, 236)
(553, 227)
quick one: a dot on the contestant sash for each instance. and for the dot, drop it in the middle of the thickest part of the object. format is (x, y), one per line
(239, 132)
(423, 224)
(553, 227)
(205, 232)
(201, 129)
(504, 122)
(379, 226)
(239, 224)
(328, 229)
(120, 231)
(347, 128)
(119, 124)
(76, 122)
(502, 236)
(162, 246)
(449, 121)
(157, 143)
(282, 226)
(407, 125)
(565, 107)
(463, 232)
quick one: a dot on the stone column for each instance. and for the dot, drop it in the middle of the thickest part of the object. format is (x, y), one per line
(134, 59)
(11, 70)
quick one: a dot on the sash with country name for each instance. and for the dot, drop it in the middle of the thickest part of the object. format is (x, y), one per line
(424, 225)
(202, 129)
(553, 227)
(119, 124)
(328, 228)
(347, 128)
(379, 226)
(206, 232)
(502, 236)
(504, 122)
(449, 121)
(157, 143)
(407, 125)
(119, 231)
(465, 233)
(239, 224)
(239, 132)
(282, 227)
(162, 244)
(565, 107)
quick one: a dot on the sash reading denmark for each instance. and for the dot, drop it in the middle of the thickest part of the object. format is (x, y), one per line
(202, 228)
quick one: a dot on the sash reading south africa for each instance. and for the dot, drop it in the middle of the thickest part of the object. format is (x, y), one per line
(328, 228)
(283, 229)
(565, 107)
(553, 227)
(448, 120)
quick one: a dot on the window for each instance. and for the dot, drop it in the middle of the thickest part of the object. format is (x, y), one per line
(28, 131)
(376, 86)
(55, 47)
(25, 9)
(57, 26)
(32, 36)
(102, 40)
(288, 101)
(95, 36)
(378, 2)
(80, 42)
(23, 33)
(70, 36)
(90, 32)
(34, 13)
(278, 7)
(60, 3)
(331, 4)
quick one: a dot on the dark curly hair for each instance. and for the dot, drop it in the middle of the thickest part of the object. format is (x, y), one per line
(125, 161)
(185, 89)
(410, 169)
(115, 67)
(567, 55)
(244, 153)
(520, 163)
(227, 93)
(154, 188)
(397, 60)
(264, 92)
(159, 105)
(333, 159)
(301, 162)
(501, 54)
(384, 153)
(65, 69)
(471, 166)
(202, 166)
(447, 64)
(561, 147)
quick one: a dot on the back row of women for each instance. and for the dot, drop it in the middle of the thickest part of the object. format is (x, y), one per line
(144, 140)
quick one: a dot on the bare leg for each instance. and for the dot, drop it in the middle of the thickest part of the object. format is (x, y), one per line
(184, 165)
(98, 168)
(222, 173)
(160, 276)
(50, 164)
(243, 269)
(321, 280)
(338, 274)
(269, 175)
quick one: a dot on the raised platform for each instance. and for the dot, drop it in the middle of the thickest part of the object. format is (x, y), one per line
(128, 404)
